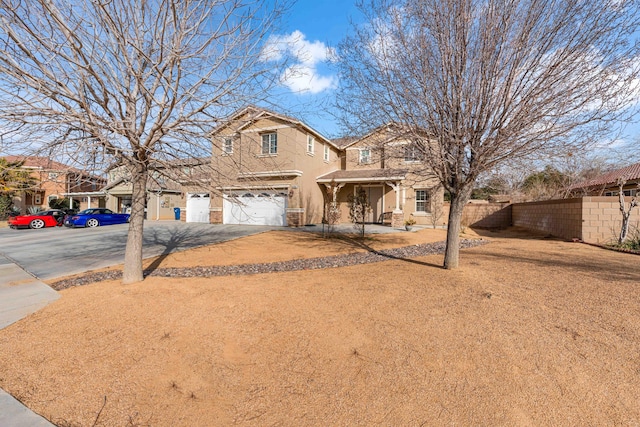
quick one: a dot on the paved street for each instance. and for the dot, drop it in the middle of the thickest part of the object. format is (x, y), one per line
(60, 251)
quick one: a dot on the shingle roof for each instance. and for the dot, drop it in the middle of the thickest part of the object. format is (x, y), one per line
(363, 175)
(630, 173)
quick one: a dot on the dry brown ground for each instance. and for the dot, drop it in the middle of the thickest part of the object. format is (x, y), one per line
(528, 331)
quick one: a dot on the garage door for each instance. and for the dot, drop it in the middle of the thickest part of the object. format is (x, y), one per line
(198, 207)
(261, 208)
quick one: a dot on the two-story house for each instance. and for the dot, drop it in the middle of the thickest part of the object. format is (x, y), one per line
(388, 164)
(265, 167)
(55, 181)
(271, 169)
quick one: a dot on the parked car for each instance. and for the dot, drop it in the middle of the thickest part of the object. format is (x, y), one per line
(95, 217)
(50, 218)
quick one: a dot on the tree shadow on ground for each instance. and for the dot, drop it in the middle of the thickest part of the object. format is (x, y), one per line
(358, 242)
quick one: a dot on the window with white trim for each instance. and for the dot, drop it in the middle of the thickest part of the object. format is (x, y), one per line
(412, 153)
(422, 201)
(326, 152)
(310, 144)
(365, 155)
(227, 145)
(270, 143)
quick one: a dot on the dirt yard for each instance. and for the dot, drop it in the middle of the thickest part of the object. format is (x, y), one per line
(529, 331)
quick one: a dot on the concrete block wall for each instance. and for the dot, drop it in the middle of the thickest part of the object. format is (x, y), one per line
(487, 215)
(592, 219)
(561, 218)
(602, 219)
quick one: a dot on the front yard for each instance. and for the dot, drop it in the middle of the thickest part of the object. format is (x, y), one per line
(529, 331)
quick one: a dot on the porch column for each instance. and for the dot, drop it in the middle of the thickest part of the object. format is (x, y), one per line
(396, 188)
(397, 217)
(70, 202)
(88, 201)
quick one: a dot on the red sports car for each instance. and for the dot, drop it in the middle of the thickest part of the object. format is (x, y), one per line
(50, 218)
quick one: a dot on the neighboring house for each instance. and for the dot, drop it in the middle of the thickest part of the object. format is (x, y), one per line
(56, 180)
(389, 166)
(265, 168)
(165, 187)
(607, 184)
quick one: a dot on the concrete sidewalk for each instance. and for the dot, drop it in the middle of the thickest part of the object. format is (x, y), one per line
(20, 295)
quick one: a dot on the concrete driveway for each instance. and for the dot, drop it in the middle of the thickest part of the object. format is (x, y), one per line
(59, 251)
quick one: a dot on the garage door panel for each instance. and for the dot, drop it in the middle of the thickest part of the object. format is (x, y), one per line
(198, 207)
(255, 210)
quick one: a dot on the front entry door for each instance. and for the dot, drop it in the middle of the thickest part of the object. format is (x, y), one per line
(374, 196)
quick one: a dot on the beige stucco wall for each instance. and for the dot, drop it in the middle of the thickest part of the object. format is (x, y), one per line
(243, 168)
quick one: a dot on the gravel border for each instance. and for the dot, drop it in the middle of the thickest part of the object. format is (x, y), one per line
(333, 261)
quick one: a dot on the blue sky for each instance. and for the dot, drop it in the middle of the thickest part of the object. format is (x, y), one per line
(310, 30)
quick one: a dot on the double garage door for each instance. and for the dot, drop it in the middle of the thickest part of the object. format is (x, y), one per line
(255, 208)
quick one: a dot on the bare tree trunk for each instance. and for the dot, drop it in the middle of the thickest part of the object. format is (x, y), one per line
(133, 254)
(626, 215)
(452, 251)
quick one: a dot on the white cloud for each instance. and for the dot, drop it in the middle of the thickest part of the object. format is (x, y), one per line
(303, 76)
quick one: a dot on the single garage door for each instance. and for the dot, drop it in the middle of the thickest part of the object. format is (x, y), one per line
(198, 207)
(260, 208)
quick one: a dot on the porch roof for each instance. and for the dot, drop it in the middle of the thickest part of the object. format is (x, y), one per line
(364, 175)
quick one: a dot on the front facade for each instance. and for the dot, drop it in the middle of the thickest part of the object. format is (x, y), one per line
(270, 169)
(265, 167)
(55, 180)
(389, 166)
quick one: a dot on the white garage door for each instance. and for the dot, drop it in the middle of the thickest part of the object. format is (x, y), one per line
(198, 207)
(261, 208)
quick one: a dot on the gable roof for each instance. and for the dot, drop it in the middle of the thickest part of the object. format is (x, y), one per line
(254, 113)
(630, 173)
(393, 131)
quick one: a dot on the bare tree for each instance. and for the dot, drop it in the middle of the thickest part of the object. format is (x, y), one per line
(489, 80)
(359, 209)
(625, 211)
(130, 83)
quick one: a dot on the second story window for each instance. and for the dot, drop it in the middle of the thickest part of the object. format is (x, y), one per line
(227, 146)
(326, 153)
(365, 155)
(310, 144)
(270, 143)
(412, 153)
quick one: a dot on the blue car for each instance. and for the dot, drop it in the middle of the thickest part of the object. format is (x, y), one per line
(95, 217)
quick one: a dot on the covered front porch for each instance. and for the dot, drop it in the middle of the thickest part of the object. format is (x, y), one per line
(383, 188)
